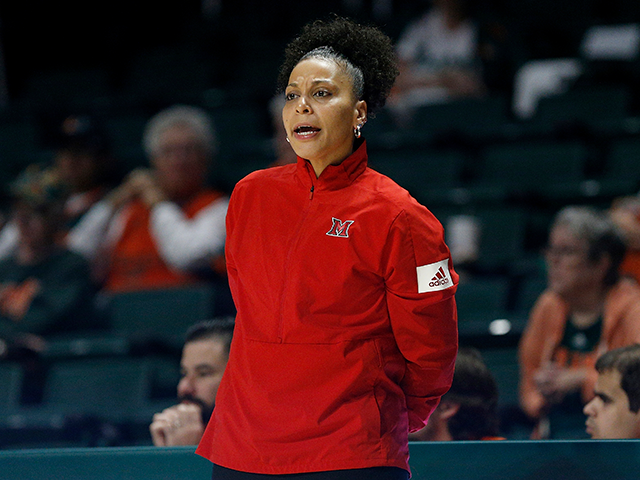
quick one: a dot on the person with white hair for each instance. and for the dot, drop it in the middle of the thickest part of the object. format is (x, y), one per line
(162, 225)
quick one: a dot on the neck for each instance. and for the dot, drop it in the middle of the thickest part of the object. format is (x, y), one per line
(586, 306)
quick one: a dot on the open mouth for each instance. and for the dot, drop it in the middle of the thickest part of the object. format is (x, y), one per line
(305, 130)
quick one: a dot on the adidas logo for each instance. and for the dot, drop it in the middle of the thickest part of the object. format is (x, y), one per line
(439, 279)
(434, 276)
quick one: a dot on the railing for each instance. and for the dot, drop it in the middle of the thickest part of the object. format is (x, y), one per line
(508, 460)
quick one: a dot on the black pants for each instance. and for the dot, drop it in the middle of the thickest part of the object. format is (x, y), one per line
(374, 473)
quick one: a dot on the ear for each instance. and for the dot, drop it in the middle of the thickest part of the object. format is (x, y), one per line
(361, 112)
(448, 409)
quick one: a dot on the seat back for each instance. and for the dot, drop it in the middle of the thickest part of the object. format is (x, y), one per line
(11, 376)
(163, 314)
(111, 388)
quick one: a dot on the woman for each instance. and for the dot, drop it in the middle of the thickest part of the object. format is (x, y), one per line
(162, 227)
(586, 310)
(346, 328)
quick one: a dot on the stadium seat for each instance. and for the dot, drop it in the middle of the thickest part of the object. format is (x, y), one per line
(420, 170)
(533, 166)
(163, 314)
(481, 299)
(623, 160)
(471, 117)
(503, 363)
(11, 375)
(595, 107)
(106, 388)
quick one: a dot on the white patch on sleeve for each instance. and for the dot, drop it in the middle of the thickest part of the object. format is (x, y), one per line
(434, 277)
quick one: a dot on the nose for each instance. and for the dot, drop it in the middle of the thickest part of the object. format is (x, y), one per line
(589, 409)
(302, 106)
(185, 386)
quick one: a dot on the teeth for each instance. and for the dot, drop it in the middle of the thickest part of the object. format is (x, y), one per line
(305, 129)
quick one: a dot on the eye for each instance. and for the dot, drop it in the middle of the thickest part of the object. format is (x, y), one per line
(290, 96)
(322, 93)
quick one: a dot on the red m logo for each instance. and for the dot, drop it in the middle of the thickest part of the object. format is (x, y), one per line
(339, 228)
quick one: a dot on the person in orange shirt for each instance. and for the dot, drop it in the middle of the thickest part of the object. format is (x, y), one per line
(469, 410)
(587, 309)
(162, 226)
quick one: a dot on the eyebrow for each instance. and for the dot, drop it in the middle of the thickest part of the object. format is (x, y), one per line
(315, 82)
(603, 396)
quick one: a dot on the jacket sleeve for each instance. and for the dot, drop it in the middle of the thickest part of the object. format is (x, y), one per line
(420, 284)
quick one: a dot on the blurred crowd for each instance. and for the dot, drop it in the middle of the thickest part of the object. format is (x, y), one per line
(80, 228)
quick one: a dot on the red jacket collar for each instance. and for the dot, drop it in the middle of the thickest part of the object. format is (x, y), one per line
(338, 176)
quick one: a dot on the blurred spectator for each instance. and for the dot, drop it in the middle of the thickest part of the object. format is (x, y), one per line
(84, 164)
(81, 163)
(438, 57)
(44, 288)
(162, 227)
(204, 359)
(586, 310)
(469, 410)
(614, 412)
(625, 212)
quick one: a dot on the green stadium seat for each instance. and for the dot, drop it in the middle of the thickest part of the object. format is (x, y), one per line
(600, 108)
(623, 160)
(420, 170)
(106, 388)
(481, 299)
(533, 166)
(503, 363)
(11, 375)
(472, 117)
(163, 314)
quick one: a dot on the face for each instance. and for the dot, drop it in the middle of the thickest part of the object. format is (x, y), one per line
(608, 414)
(569, 270)
(202, 365)
(321, 112)
(180, 162)
(36, 230)
(77, 170)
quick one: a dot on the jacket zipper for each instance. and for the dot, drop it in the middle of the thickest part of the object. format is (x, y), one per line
(294, 246)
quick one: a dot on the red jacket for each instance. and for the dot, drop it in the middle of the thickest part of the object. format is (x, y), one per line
(346, 331)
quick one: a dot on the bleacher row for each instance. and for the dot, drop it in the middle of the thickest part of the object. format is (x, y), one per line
(102, 388)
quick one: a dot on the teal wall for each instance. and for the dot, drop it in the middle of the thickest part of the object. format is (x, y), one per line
(512, 460)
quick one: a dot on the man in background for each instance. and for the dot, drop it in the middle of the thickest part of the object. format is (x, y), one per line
(468, 411)
(204, 359)
(614, 412)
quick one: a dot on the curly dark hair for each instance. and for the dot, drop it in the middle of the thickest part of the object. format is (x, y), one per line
(363, 46)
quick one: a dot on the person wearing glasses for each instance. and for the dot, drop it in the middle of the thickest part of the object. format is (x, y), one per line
(586, 309)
